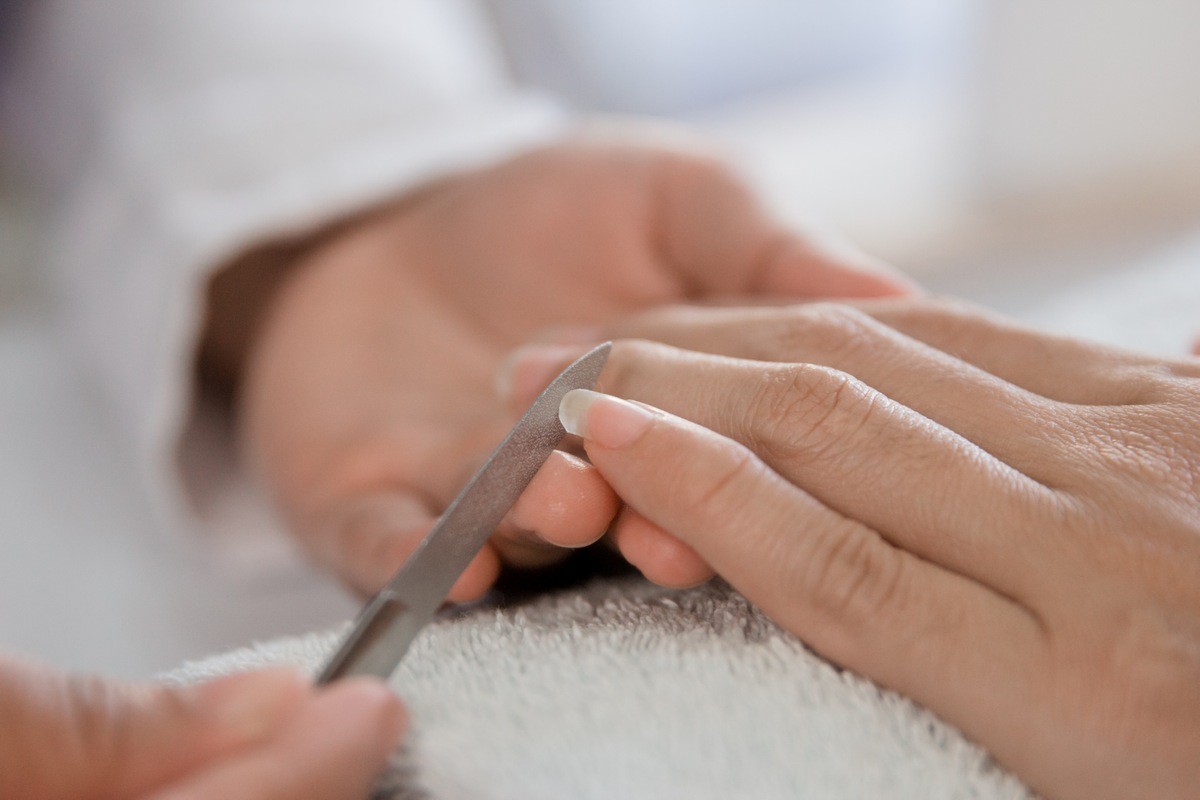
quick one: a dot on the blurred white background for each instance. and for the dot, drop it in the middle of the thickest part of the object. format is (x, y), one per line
(1039, 157)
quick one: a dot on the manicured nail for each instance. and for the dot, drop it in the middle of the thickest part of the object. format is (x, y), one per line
(608, 421)
(252, 704)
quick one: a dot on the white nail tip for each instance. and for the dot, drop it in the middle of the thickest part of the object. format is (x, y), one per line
(573, 410)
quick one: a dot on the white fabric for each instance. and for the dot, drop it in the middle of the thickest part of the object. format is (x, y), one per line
(624, 690)
(171, 135)
(629, 691)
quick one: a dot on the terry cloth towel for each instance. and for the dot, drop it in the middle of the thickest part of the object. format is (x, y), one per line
(625, 690)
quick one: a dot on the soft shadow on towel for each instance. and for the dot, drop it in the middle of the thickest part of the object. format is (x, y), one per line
(621, 689)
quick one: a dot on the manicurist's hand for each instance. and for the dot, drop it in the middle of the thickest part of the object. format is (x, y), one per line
(264, 735)
(1003, 525)
(368, 399)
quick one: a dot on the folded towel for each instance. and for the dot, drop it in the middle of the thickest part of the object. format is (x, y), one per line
(625, 690)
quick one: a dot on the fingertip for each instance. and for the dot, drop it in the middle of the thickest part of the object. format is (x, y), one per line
(366, 538)
(371, 704)
(377, 559)
(478, 577)
(602, 420)
(568, 503)
(379, 555)
(874, 277)
(833, 269)
(871, 284)
(250, 705)
(336, 745)
(283, 681)
(659, 556)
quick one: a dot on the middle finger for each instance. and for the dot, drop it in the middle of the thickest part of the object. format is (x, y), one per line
(923, 486)
(977, 405)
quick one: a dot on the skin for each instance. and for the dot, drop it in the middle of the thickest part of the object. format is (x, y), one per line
(367, 397)
(266, 735)
(360, 364)
(1001, 524)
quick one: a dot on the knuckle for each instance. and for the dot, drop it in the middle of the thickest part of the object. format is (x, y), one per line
(1145, 656)
(1138, 446)
(805, 412)
(722, 494)
(947, 311)
(948, 320)
(1187, 372)
(1168, 383)
(851, 576)
(100, 718)
(828, 328)
(1126, 382)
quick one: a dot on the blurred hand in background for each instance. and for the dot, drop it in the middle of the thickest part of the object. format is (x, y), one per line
(367, 396)
(266, 735)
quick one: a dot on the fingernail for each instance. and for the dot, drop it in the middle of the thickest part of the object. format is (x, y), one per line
(606, 420)
(253, 704)
(529, 369)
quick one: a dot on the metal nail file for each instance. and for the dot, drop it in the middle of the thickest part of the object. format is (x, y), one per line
(388, 624)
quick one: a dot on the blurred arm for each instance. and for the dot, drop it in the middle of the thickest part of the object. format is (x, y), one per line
(173, 137)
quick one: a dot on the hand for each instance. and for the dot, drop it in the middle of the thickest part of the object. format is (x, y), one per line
(368, 398)
(258, 735)
(1001, 524)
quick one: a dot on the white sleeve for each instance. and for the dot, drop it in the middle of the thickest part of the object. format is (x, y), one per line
(171, 135)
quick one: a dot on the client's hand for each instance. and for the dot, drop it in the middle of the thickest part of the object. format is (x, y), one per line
(260, 736)
(368, 398)
(1002, 524)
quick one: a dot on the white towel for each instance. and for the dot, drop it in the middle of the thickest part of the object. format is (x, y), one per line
(625, 690)
(622, 690)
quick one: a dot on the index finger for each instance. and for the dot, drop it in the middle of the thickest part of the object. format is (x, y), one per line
(941, 638)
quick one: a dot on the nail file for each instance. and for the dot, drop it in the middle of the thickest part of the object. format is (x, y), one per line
(387, 625)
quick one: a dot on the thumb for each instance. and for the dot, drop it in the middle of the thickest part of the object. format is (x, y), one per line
(724, 242)
(67, 736)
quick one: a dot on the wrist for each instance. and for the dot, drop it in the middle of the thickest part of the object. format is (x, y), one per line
(236, 298)
(240, 293)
